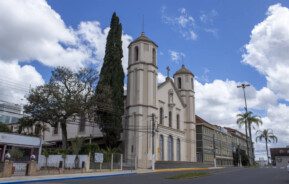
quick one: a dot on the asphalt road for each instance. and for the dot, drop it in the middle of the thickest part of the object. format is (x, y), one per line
(222, 176)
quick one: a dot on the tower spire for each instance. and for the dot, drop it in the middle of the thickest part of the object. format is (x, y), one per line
(142, 29)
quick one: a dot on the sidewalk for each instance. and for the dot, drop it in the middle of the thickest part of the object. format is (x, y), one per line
(26, 179)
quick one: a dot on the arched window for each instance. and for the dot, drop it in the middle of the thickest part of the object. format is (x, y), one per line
(178, 121)
(136, 53)
(161, 147)
(161, 115)
(179, 82)
(192, 81)
(178, 150)
(170, 148)
(170, 118)
(154, 56)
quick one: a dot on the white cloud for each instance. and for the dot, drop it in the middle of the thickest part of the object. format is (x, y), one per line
(205, 76)
(184, 23)
(268, 48)
(208, 17)
(16, 81)
(32, 30)
(176, 56)
(161, 78)
(277, 120)
(220, 101)
(94, 37)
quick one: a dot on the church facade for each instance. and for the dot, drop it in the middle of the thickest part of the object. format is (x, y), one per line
(159, 121)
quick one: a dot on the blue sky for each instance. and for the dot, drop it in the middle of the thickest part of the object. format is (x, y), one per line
(223, 43)
(220, 55)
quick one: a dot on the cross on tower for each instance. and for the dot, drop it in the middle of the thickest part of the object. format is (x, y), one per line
(168, 71)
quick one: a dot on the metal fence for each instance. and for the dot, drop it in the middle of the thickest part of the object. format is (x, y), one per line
(111, 161)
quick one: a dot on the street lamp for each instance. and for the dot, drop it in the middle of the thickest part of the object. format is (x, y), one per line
(243, 86)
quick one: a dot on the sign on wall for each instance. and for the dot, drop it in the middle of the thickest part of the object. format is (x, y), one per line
(98, 157)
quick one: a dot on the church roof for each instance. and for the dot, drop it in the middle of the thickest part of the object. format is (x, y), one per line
(169, 80)
(143, 38)
(184, 70)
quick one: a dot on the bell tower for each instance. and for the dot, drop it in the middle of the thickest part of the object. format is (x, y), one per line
(141, 101)
(184, 81)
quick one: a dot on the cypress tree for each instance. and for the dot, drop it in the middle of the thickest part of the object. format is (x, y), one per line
(109, 91)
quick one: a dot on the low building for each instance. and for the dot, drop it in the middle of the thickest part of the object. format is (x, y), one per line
(280, 156)
(75, 128)
(28, 144)
(238, 139)
(10, 113)
(213, 142)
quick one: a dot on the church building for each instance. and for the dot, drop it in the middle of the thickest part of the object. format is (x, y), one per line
(159, 121)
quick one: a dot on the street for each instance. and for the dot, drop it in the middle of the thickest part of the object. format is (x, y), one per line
(222, 176)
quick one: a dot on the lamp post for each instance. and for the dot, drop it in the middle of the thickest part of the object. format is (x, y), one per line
(243, 86)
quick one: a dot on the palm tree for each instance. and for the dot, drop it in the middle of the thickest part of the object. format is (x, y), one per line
(249, 120)
(268, 136)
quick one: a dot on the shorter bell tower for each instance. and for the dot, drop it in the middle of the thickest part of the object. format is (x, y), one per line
(184, 81)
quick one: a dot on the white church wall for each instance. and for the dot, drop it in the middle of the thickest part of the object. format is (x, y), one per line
(73, 131)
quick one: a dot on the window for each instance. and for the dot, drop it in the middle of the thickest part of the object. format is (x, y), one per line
(161, 115)
(154, 56)
(161, 147)
(178, 150)
(178, 121)
(170, 118)
(136, 53)
(171, 96)
(192, 81)
(170, 148)
(55, 128)
(179, 82)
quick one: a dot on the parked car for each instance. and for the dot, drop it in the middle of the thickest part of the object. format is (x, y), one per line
(288, 166)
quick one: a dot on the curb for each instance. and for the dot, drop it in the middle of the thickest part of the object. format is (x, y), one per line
(67, 178)
(181, 169)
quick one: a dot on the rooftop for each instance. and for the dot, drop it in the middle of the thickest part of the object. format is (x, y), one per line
(143, 38)
(183, 70)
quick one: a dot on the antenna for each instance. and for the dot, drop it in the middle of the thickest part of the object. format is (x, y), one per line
(182, 59)
(142, 24)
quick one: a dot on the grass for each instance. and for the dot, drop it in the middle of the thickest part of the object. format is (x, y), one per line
(189, 175)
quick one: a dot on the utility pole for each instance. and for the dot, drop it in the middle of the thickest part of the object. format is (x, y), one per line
(214, 150)
(243, 86)
(153, 141)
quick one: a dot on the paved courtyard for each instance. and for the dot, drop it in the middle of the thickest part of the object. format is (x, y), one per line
(223, 176)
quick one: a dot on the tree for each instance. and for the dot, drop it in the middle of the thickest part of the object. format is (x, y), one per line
(268, 136)
(29, 126)
(67, 96)
(4, 128)
(249, 120)
(76, 146)
(45, 152)
(109, 91)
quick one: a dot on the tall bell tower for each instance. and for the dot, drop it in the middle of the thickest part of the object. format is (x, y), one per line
(184, 81)
(141, 101)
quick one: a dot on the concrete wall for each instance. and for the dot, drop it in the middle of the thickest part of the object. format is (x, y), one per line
(53, 160)
(281, 161)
